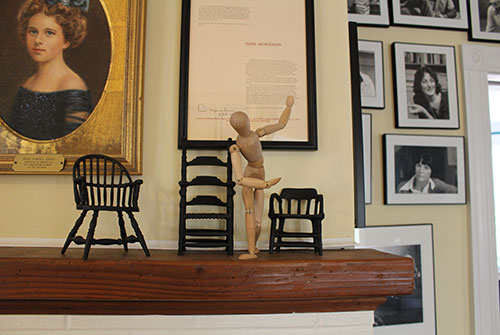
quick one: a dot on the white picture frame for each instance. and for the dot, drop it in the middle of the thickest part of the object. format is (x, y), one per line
(445, 157)
(418, 314)
(376, 14)
(401, 15)
(413, 62)
(371, 69)
(479, 10)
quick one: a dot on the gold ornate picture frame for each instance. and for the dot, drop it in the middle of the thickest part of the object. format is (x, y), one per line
(110, 60)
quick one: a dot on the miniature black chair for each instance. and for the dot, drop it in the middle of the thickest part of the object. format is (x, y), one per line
(212, 208)
(296, 204)
(102, 183)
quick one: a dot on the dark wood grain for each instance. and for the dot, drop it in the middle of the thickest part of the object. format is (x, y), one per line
(41, 281)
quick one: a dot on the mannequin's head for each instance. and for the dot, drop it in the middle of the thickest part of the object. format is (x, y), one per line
(241, 123)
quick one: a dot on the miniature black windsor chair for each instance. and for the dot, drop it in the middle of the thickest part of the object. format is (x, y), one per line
(101, 183)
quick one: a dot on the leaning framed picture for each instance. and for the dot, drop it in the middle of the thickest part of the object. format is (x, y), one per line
(367, 156)
(413, 314)
(90, 102)
(421, 169)
(368, 12)
(247, 56)
(371, 74)
(443, 14)
(425, 86)
(484, 20)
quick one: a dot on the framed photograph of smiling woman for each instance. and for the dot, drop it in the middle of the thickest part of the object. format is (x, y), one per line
(425, 86)
(422, 169)
(71, 86)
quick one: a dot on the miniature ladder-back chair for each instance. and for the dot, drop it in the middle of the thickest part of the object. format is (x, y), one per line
(206, 237)
(102, 183)
(296, 204)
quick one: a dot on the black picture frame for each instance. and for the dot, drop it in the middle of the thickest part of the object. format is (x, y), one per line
(367, 156)
(412, 62)
(357, 130)
(419, 16)
(310, 144)
(442, 158)
(377, 14)
(480, 12)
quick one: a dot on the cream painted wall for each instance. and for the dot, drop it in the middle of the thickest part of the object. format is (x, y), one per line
(42, 206)
(450, 222)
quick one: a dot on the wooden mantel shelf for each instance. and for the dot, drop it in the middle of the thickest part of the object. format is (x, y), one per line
(41, 281)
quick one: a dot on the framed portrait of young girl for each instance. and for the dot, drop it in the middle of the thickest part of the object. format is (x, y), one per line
(425, 86)
(72, 80)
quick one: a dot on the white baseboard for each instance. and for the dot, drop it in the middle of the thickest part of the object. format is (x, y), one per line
(328, 244)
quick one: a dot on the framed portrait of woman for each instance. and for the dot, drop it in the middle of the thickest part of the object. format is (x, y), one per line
(368, 12)
(73, 83)
(484, 20)
(425, 86)
(442, 14)
(424, 169)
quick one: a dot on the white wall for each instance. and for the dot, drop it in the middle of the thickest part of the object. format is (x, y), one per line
(358, 323)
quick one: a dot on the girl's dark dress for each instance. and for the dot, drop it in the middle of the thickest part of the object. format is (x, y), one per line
(48, 115)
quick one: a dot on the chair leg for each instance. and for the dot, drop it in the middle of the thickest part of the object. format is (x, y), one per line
(90, 235)
(73, 231)
(281, 228)
(138, 232)
(123, 232)
(272, 236)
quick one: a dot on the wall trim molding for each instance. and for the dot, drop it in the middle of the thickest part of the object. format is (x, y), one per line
(328, 244)
(478, 61)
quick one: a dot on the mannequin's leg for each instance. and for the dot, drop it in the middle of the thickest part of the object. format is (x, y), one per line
(248, 200)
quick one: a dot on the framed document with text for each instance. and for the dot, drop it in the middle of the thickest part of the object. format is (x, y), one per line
(240, 55)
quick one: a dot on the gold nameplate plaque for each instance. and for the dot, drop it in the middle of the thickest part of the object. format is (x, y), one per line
(38, 163)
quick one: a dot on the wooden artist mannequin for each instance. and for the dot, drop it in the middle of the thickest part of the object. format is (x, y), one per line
(253, 178)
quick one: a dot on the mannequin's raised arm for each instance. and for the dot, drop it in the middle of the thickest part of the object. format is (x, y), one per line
(285, 116)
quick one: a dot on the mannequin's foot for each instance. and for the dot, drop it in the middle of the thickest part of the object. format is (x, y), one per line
(247, 256)
(256, 251)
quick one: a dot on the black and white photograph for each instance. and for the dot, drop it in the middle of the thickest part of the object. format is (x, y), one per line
(406, 314)
(422, 169)
(367, 156)
(445, 14)
(368, 12)
(425, 86)
(484, 20)
(371, 74)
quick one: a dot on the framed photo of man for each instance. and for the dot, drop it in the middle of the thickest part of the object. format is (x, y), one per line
(368, 12)
(421, 169)
(444, 14)
(413, 314)
(484, 20)
(425, 86)
(371, 74)
(71, 86)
